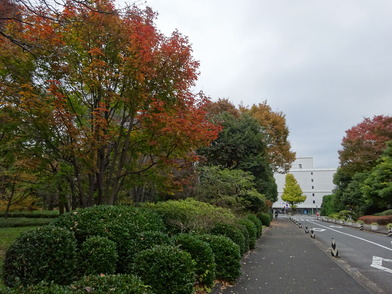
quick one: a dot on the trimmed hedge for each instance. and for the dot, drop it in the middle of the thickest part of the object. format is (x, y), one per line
(43, 254)
(190, 216)
(167, 269)
(265, 218)
(98, 255)
(252, 230)
(233, 232)
(116, 284)
(227, 256)
(202, 254)
(258, 224)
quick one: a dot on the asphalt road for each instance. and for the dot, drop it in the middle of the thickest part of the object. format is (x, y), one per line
(286, 260)
(365, 253)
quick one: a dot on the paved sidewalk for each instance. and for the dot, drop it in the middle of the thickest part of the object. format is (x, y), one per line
(288, 261)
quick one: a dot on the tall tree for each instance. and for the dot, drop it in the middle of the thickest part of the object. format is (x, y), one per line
(377, 187)
(276, 132)
(104, 92)
(364, 144)
(292, 192)
(240, 145)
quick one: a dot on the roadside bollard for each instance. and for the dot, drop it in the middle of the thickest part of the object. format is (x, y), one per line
(361, 227)
(334, 249)
(312, 234)
(299, 224)
(306, 230)
(390, 232)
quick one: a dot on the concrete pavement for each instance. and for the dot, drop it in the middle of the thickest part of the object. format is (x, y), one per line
(286, 260)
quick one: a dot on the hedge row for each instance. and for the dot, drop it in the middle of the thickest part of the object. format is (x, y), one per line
(381, 220)
(175, 245)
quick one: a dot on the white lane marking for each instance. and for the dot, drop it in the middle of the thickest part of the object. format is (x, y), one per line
(371, 242)
(319, 230)
(377, 263)
(337, 227)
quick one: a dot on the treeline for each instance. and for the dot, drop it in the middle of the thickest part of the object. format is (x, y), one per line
(364, 177)
(96, 108)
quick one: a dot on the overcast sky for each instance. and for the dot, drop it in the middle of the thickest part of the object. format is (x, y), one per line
(325, 64)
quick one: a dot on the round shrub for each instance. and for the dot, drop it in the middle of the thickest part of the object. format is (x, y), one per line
(98, 220)
(202, 254)
(42, 254)
(258, 224)
(233, 232)
(142, 241)
(264, 218)
(116, 284)
(167, 269)
(227, 256)
(98, 255)
(251, 228)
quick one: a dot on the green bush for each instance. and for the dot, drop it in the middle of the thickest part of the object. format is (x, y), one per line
(118, 223)
(40, 288)
(202, 254)
(233, 232)
(189, 215)
(167, 269)
(101, 220)
(98, 255)
(385, 212)
(43, 254)
(258, 224)
(252, 230)
(114, 284)
(227, 256)
(142, 241)
(264, 218)
(244, 233)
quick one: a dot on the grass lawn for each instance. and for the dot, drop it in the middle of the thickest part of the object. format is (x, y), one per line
(7, 237)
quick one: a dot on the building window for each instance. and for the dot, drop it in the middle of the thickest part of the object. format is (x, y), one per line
(300, 165)
(312, 180)
(314, 201)
(312, 187)
(313, 194)
(311, 173)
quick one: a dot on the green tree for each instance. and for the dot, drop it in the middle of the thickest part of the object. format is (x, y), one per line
(241, 145)
(292, 192)
(377, 187)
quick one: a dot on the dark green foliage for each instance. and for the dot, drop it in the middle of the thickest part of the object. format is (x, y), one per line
(116, 284)
(98, 255)
(40, 288)
(252, 230)
(253, 202)
(231, 231)
(142, 241)
(43, 254)
(244, 233)
(118, 223)
(108, 221)
(330, 205)
(265, 218)
(227, 256)
(202, 254)
(167, 269)
(258, 224)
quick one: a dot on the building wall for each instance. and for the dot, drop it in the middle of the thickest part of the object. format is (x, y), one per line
(314, 182)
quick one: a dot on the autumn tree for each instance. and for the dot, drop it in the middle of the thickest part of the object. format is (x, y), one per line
(361, 148)
(292, 192)
(276, 133)
(103, 93)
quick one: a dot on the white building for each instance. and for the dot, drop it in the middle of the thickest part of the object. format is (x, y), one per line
(314, 182)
